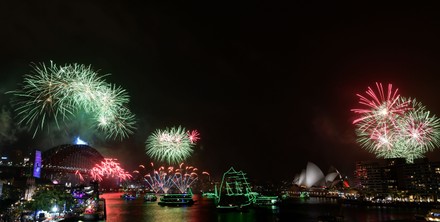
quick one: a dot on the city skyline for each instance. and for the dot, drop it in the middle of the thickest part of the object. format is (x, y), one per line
(268, 87)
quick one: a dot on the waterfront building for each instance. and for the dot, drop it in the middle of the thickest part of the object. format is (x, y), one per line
(368, 176)
(422, 178)
(418, 181)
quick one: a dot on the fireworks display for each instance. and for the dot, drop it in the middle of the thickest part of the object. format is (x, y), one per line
(160, 179)
(392, 126)
(171, 145)
(184, 177)
(109, 168)
(58, 93)
(165, 178)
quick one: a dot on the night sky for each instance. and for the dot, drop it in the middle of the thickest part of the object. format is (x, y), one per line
(269, 87)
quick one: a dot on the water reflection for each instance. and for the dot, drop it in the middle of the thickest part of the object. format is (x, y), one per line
(119, 209)
(204, 209)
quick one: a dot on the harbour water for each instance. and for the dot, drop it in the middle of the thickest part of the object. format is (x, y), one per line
(121, 210)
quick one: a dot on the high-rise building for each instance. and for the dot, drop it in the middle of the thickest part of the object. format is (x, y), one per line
(420, 179)
(368, 176)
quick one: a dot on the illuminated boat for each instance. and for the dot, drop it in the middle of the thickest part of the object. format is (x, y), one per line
(235, 192)
(234, 202)
(150, 197)
(209, 195)
(262, 200)
(127, 196)
(433, 215)
(176, 199)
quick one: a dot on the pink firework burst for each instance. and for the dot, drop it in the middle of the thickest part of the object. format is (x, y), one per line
(381, 107)
(193, 136)
(109, 168)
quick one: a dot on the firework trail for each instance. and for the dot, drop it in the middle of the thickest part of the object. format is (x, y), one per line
(79, 175)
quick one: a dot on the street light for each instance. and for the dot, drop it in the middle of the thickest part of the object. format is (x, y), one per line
(55, 209)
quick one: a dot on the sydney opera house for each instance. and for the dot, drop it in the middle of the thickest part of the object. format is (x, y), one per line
(313, 177)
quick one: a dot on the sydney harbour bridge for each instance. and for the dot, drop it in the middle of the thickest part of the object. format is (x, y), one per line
(69, 163)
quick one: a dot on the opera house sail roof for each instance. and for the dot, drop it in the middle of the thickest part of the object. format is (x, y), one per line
(313, 176)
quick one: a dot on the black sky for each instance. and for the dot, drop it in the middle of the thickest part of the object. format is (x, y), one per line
(268, 86)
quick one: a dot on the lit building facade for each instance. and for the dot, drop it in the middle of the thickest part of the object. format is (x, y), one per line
(419, 180)
(368, 176)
